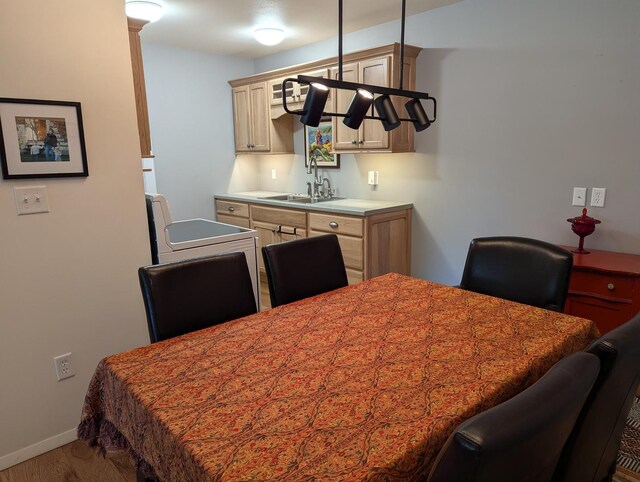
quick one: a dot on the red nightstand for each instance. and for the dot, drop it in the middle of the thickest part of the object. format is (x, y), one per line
(604, 287)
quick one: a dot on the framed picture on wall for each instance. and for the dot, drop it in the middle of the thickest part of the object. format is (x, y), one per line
(318, 143)
(41, 138)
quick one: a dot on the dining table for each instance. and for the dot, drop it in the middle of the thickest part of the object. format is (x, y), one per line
(365, 382)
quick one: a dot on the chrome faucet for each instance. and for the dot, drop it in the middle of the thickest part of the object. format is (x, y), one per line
(317, 181)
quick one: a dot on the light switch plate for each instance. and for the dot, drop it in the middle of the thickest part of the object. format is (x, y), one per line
(579, 196)
(31, 199)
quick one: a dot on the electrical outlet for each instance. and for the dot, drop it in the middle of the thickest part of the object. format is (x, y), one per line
(579, 196)
(64, 367)
(597, 196)
(372, 178)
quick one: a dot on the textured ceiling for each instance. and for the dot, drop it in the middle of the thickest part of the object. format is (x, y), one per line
(226, 26)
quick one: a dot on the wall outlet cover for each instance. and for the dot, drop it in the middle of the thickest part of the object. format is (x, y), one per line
(597, 196)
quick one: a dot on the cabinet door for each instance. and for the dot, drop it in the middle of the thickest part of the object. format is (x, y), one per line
(344, 138)
(266, 235)
(260, 117)
(241, 115)
(371, 133)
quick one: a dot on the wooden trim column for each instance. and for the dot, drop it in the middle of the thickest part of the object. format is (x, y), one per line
(135, 25)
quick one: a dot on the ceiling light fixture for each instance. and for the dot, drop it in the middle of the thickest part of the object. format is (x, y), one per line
(144, 10)
(269, 36)
(364, 95)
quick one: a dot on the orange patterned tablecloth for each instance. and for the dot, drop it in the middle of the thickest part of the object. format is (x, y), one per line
(365, 382)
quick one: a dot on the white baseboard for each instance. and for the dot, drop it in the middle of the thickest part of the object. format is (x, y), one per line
(39, 448)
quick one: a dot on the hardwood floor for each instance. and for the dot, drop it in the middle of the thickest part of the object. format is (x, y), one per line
(77, 462)
(71, 463)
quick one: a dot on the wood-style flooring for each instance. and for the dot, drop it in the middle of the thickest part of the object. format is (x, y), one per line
(73, 462)
(77, 462)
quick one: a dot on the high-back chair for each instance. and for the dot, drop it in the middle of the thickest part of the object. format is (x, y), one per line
(522, 438)
(304, 267)
(592, 449)
(518, 269)
(189, 295)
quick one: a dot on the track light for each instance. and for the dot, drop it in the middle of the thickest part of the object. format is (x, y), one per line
(360, 104)
(387, 112)
(314, 104)
(417, 114)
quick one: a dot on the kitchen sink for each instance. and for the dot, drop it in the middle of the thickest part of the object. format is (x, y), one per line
(299, 198)
(287, 197)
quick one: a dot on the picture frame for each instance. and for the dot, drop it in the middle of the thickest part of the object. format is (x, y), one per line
(318, 142)
(41, 138)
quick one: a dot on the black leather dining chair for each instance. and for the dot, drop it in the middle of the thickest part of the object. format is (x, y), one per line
(522, 438)
(303, 267)
(524, 270)
(592, 449)
(189, 295)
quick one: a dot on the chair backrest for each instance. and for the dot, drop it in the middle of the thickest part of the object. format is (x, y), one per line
(592, 449)
(189, 295)
(522, 438)
(304, 267)
(519, 269)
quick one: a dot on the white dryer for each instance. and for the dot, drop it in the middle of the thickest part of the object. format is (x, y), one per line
(193, 238)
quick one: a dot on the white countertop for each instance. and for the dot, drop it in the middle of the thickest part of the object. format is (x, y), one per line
(356, 207)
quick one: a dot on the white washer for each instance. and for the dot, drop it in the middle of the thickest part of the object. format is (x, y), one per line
(193, 238)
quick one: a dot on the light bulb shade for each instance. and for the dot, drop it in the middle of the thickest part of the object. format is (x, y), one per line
(144, 10)
(387, 112)
(314, 104)
(269, 36)
(417, 114)
(360, 104)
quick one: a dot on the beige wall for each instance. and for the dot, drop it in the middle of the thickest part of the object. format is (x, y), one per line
(68, 279)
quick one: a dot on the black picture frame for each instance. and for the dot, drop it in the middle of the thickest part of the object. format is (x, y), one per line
(41, 139)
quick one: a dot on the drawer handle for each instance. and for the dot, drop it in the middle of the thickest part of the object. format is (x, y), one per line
(231, 209)
(284, 232)
(333, 224)
(611, 287)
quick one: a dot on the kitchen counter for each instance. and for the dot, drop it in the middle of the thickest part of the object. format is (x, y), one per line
(357, 207)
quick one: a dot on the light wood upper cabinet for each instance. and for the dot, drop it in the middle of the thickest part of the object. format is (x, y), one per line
(251, 120)
(371, 135)
(378, 66)
(295, 93)
(254, 129)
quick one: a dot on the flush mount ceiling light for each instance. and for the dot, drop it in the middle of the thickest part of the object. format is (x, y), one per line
(144, 10)
(269, 36)
(363, 98)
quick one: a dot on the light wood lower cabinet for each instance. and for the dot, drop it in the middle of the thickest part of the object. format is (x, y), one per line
(371, 245)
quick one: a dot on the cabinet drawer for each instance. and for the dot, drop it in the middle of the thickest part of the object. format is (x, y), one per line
(352, 250)
(604, 285)
(286, 217)
(232, 208)
(354, 276)
(330, 223)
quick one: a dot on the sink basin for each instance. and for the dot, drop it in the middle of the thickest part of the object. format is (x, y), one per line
(287, 197)
(299, 198)
(308, 200)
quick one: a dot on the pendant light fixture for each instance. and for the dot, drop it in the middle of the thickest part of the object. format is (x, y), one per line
(364, 95)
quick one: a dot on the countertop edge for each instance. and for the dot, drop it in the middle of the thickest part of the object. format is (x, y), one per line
(322, 207)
